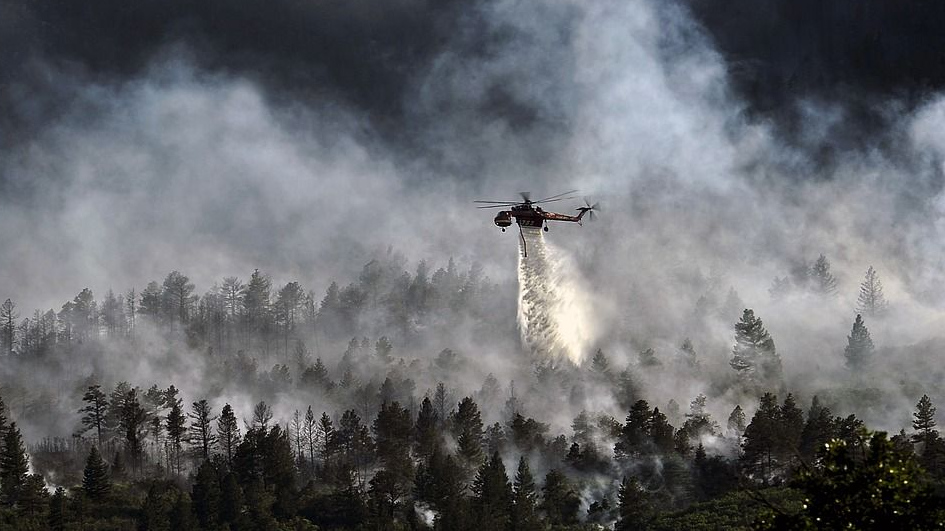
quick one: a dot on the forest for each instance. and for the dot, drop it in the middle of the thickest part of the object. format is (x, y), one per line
(265, 406)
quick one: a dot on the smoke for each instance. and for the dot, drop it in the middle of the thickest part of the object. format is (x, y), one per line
(222, 150)
(554, 311)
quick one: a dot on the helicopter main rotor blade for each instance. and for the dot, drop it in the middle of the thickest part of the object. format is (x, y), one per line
(498, 202)
(552, 200)
(495, 206)
(556, 196)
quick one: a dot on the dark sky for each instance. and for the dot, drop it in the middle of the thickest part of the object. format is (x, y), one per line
(857, 53)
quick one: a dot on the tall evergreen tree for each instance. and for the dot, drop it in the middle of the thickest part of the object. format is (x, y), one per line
(822, 280)
(871, 301)
(8, 319)
(818, 431)
(492, 494)
(228, 432)
(206, 495)
(176, 429)
(924, 422)
(761, 440)
(635, 509)
(754, 357)
(634, 439)
(467, 427)
(425, 432)
(559, 502)
(94, 411)
(57, 510)
(132, 422)
(202, 437)
(13, 467)
(96, 483)
(736, 421)
(859, 350)
(524, 514)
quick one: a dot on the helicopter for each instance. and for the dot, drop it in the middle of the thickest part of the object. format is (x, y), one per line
(528, 214)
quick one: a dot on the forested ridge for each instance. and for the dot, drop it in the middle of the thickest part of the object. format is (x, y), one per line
(263, 406)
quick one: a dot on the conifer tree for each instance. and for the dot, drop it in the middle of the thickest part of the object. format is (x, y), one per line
(822, 281)
(95, 480)
(206, 495)
(635, 509)
(95, 411)
(467, 427)
(8, 317)
(13, 466)
(132, 421)
(492, 494)
(176, 428)
(201, 431)
(924, 422)
(57, 510)
(426, 437)
(818, 431)
(634, 438)
(859, 349)
(761, 439)
(736, 421)
(559, 502)
(33, 497)
(228, 432)
(754, 357)
(871, 301)
(790, 428)
(524, 500)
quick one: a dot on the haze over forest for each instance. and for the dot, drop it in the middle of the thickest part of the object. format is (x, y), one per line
(256, 220)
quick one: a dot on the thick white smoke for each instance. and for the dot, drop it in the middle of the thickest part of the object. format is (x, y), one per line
(554, 309)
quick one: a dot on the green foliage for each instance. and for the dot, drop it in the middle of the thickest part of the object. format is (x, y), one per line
(859, 349)
(883, 489)
(96, 483)
(754, 356)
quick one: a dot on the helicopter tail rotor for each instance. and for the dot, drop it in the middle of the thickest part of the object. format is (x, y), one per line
(591, 209)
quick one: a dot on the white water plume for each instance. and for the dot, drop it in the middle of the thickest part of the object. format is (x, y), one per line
(554, 312)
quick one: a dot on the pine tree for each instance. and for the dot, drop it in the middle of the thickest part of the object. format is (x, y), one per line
(754, 357)
(924, 422)
(790, 427)
(95, 411)
(635, 509)
(33, 497)
(492, 494)
(132, 422)
(95, 480)
(426, 436)
(201, 431)
(822, 281)
(818, 431)
(228, 432)
(57, 510)
(176, 428)
(736, 421)
(467, 427)
(13, 467)
(559, 502)
(8, 317)
(761, 439)
(524, 500)
(634, 437)
(871, 301)
(859, 350)
(206, 495)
